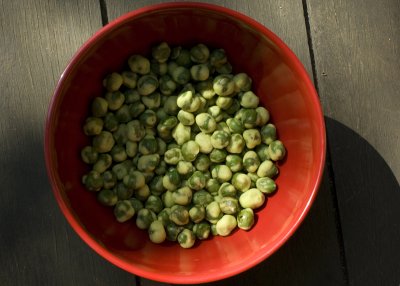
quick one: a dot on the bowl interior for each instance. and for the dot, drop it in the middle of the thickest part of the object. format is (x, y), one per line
(284, 89)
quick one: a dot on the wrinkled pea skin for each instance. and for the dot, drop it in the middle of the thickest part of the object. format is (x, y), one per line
(181, 145)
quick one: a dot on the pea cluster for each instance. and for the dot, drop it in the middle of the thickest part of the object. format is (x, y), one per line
(181, 145)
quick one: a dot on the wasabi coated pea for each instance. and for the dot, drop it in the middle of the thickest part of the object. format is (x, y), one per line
(171, 180)
(262, 116)
(235, 125)
(197, 213)
(199, 53)
(197, 181)
(111, 122)
(248, 117)
(135, 109)
(154, 204)
(218, 57)
(206, 122)
(236, 144)
(220, 139)
(161, 52)
(202, 230)
(205, 89)
(186, 238)
(135, 131)
(249, 100)
(241, 182)
(163, 216)
(123, 114)
(227, 190)
(144, 218)
(113, 81)
(170, 105)
(107, 197)
(139, 64)
(129, 79)
(252, 198)
(142, 193)
(103, 142)
(252, 138)
(245, 219)
(123, 211)
(226, 225)
(134, 180)
(93, 181)
(251, 161)
(262, 152)
(225, 68)
(224, 85)
(229, 205)
(186, 118)
(276, 150)
(242, 82)
(181, 133)
(173, 156)
(234, 162)
(266, 185)
(115, 100)
(167, 85)
(224, 102)
(202, 198)
(121, 134)
(216, 112)
(190, 149)
(99, 107)
(213, 212)
(148, 163)
(202, 162)
(152, 101)
(156, 185)
(267, 169)
(222, 173)
(109, 180)
(182, 196)
(268, 133)
(89, 155)
(123, 193)
(204, 142)
(218, 155)
(184, 168)
(131, 94)
(148, 145)
(147, 84)
(148, 118)
(179, 215)
(180, 75)
(118, 153)
(157, 232)
(200, 72)
(103, 163)
(93, 126)
(173, 231)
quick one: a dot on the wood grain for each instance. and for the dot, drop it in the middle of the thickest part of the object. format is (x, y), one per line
(312, 256)
(356, 48)
(38, 247)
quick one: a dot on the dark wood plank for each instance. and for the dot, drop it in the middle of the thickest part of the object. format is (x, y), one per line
(356, 48)
(312, 256)
(38, 247)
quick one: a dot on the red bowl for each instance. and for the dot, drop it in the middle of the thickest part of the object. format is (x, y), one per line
(283, 87)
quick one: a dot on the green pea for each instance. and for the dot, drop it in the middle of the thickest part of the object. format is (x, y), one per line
(268, 133)
(248, 117)
(202, 230)
(152, 101)
(156, 185)
(103, 142)
(252, 198)
(186, 238)
(136, 109)
(236, 144)
(161, 52)
(144, 218)
(188, 101)
(93, 126)
(229, 205)
(107, 197)
(226, 225)
(267, 169)
(167, 199)
(129, 79)
(202, 162)
(199, 53)
(242, 82)
(205, 89)
(182, 196)
(180, 75)
(148, 145)
(245, 219)
(262, 152)
(118, 153)
(103, 163)
(93, 181)
(173, 231)
(113, 81)
(197, 213)
(154, 204)
(99, 107)
(123, 211)
(139, 64)
(234, 162)
(218, 57)
(262, 116)
(190, 149)
(197, 181)
(224, 102)
(163, 216)
(115, 100)
(266, 185)
(165, 127)
(235, 126)
(276, 150)
(89, 155)
(157, 233)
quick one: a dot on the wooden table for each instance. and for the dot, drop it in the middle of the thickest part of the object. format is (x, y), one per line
(350, 48)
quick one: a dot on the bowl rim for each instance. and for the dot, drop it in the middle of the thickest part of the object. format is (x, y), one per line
(50, 154)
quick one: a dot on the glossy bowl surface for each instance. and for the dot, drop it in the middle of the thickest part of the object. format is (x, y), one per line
(284, 88)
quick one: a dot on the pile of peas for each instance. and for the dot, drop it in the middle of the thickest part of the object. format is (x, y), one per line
(180, 145)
